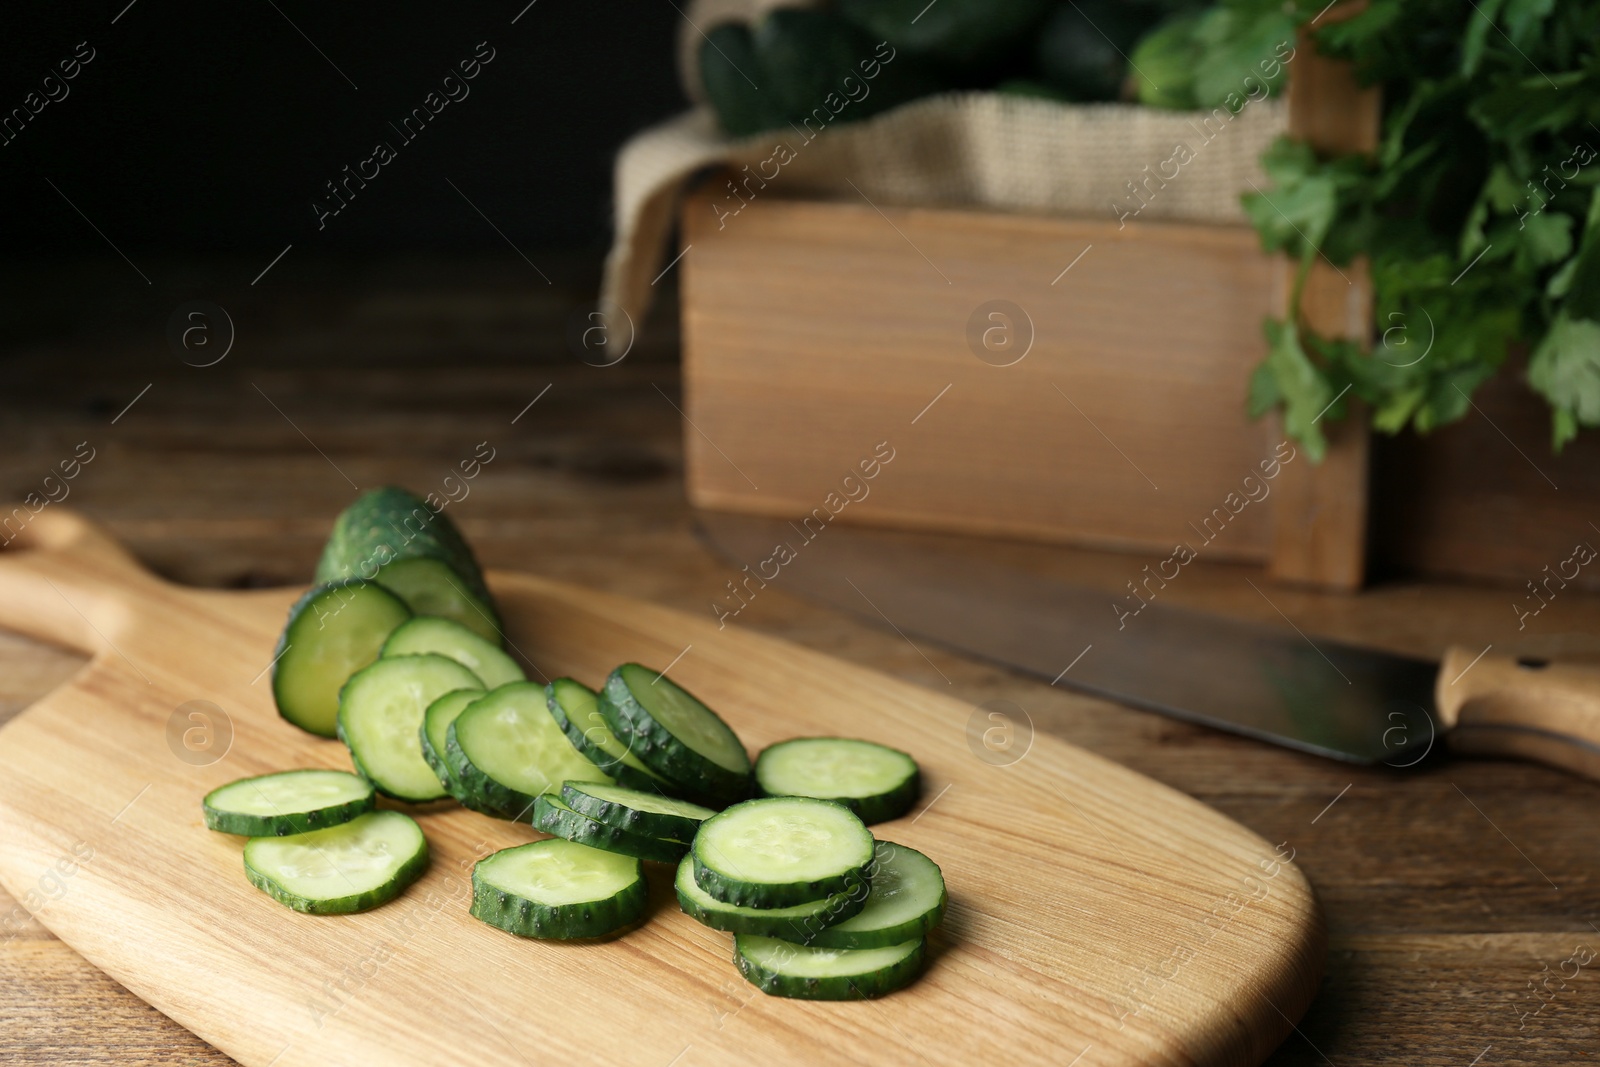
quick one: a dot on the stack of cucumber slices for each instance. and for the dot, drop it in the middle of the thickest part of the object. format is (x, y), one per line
(398, 654)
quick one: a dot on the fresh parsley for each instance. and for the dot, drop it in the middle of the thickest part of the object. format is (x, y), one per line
(1479, 215)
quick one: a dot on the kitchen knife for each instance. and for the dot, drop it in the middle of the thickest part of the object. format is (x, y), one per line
(1358, 704)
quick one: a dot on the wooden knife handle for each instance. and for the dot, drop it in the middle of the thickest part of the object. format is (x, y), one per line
(1521, 708)
(65, 580)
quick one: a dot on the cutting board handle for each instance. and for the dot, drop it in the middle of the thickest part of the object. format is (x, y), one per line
(65, 580)
(1521, 708)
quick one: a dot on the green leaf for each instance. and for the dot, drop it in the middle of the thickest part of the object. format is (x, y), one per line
(1546, 239)
(1295, 214)
(1581, 286)
(1303, 389)
(1525, 18)
(1565, 370)
(1480, 25)
(1264, 393)
(1396, 409)
(1241, 50)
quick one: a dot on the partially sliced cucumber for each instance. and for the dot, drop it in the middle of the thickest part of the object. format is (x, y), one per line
(874, 781)
(807, 973)
(395, 538)
(433, 633)
(798, 923)
(380, 720)
(289, 802)
(676, 735)
(576, 710)
(351, 867)
(644, 813)
(554, 817)
(781, 851)
(558, 889)
(333, 631)
(907, 900)
(436, 731)
(506, 750)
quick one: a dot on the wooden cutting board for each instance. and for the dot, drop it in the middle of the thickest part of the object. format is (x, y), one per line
(1096, 917)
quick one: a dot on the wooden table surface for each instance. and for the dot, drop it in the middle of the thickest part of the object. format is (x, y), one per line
(1453, 894)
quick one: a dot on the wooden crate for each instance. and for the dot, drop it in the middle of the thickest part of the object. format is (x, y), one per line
(818, 332)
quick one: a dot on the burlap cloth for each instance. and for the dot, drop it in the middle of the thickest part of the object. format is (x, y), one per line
(986, 150)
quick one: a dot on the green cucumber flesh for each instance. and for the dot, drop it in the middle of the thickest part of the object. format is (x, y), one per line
(907, 900)
(506, 750)
(447, 637)
(558, 889)
(395, 538)
(675, 734)
(341, 869)
(799, 923)
(782, 969)
(576, 709)
(435, 734)
(644, 813)
(432, 587)
(380, 720)
(552, 815)
(333, 631)
(781, 851)
(289, 802)
(875, 781)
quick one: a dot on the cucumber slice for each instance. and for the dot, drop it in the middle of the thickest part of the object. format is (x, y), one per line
(394, 538)
(340, 869)
(553, 816)
(431, 633)
(781, 851)
(799, 923)
(649, 814)
(333, 631)
(782, 969)
(435, 733)
(676, 735)
(380, 720)
(558, 889)
(907, 900)
(874, 781)
(506, 750)
(576, 710)
(289, 802)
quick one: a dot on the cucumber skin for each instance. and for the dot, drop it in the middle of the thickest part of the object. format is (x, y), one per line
(440, 763)
(409, 872)
(527, 918)
(480, 792)
(774, 895)
(625, 775)
(233, 822)
(295, 611)
(373, 528)
(841, 906)
(647, 823)
(863, 987)
(881, 808)
(585, 831)
(889, 935)
(434, 757)
(692, 774)
(732, 890)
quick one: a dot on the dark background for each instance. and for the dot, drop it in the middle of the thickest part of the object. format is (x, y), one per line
(204, 129)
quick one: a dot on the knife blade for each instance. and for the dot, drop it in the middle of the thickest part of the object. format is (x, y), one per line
(1275, 684)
